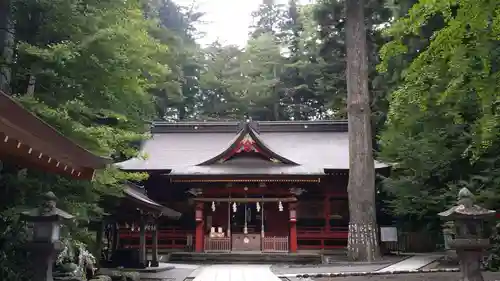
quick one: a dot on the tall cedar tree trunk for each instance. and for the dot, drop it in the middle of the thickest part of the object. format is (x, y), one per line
(363, 235)
(6, 45)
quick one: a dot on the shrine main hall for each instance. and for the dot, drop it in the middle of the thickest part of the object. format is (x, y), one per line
(256, 186)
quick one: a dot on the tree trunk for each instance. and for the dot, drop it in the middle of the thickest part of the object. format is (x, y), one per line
(30, 90)
(6, 45)
(276, 104)
(363, 235)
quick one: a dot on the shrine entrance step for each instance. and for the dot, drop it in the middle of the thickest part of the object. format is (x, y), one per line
(246, 258)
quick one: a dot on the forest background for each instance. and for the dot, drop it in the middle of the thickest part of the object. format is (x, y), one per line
(100, 71)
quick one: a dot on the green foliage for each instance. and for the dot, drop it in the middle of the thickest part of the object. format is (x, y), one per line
(330, 16)
(176, 98)
(458, 66)
(103, 69)
(442, 123)
(96, 66)
(492, 263)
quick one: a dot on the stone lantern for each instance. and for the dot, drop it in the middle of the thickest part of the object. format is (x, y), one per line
(471, 233)
(45, 244)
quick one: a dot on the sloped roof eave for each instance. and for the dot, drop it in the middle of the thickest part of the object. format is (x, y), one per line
(218, 170)
(25, 128)
(132, 192)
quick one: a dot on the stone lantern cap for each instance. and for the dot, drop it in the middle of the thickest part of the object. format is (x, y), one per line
(47, 211)
(466, 208)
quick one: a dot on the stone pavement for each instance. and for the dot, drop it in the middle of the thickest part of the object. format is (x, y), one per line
(408, 264)
(179, 273)
(236, 273)
(292, 271)
(412, 263)
(243, 272)
(440, 276)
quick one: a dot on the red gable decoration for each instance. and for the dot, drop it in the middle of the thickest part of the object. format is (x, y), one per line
(246, 145)
(248, 142)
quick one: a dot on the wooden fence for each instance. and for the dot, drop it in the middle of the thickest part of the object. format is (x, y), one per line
(275, 244)
(414, 242)
(217, 244)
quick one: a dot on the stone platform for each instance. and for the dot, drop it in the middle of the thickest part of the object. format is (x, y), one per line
(161, 268)
(246, 258)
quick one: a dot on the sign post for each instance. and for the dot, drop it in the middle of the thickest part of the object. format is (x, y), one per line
(389, 234)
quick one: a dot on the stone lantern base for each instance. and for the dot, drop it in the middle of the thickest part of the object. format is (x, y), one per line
(470, 264)
(43, 255)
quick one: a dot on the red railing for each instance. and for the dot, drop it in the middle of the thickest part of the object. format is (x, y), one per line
(320, 229)
(169, 238)
(322, 237)
(275, 244)
(217, 244)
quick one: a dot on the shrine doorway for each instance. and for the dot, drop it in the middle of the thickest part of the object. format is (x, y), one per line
(246, 226)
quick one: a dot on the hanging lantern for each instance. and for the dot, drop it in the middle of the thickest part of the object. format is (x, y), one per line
(213, 206)
(133, 227)
(280, 206)
(234, 207)
(258, 207)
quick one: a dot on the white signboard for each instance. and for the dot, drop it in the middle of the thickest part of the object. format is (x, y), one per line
(388, 234)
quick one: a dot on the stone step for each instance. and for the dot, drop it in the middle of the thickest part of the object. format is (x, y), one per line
(246, 258)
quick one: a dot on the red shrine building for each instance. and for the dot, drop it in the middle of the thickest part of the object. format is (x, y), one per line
(263, 186)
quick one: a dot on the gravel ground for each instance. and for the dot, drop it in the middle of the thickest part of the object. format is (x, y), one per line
(452, 276)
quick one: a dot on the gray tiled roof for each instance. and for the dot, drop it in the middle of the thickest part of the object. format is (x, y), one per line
(248, 166)
(182, 147)
(328, 150)
(167, 151)
(137, 194)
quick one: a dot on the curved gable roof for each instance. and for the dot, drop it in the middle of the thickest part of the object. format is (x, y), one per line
(247, 139)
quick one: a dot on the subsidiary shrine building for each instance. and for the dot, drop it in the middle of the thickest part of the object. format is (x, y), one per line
(264, 186)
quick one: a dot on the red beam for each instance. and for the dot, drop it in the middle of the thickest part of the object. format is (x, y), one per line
(161, 246)
(225, 191)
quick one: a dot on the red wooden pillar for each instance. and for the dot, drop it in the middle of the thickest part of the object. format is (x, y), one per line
(326, 212)
(199, 235)
(293, 228)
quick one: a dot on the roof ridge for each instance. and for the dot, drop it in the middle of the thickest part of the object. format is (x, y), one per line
(258, 126)
(229, 122)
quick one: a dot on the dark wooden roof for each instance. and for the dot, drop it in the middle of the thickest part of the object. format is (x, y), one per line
(194, 148)
(27, 140)
(139, 197)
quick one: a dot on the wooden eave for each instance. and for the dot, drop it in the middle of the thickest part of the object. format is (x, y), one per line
(137, 197)
(246, 178)
(247, 199)
(27, 140)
